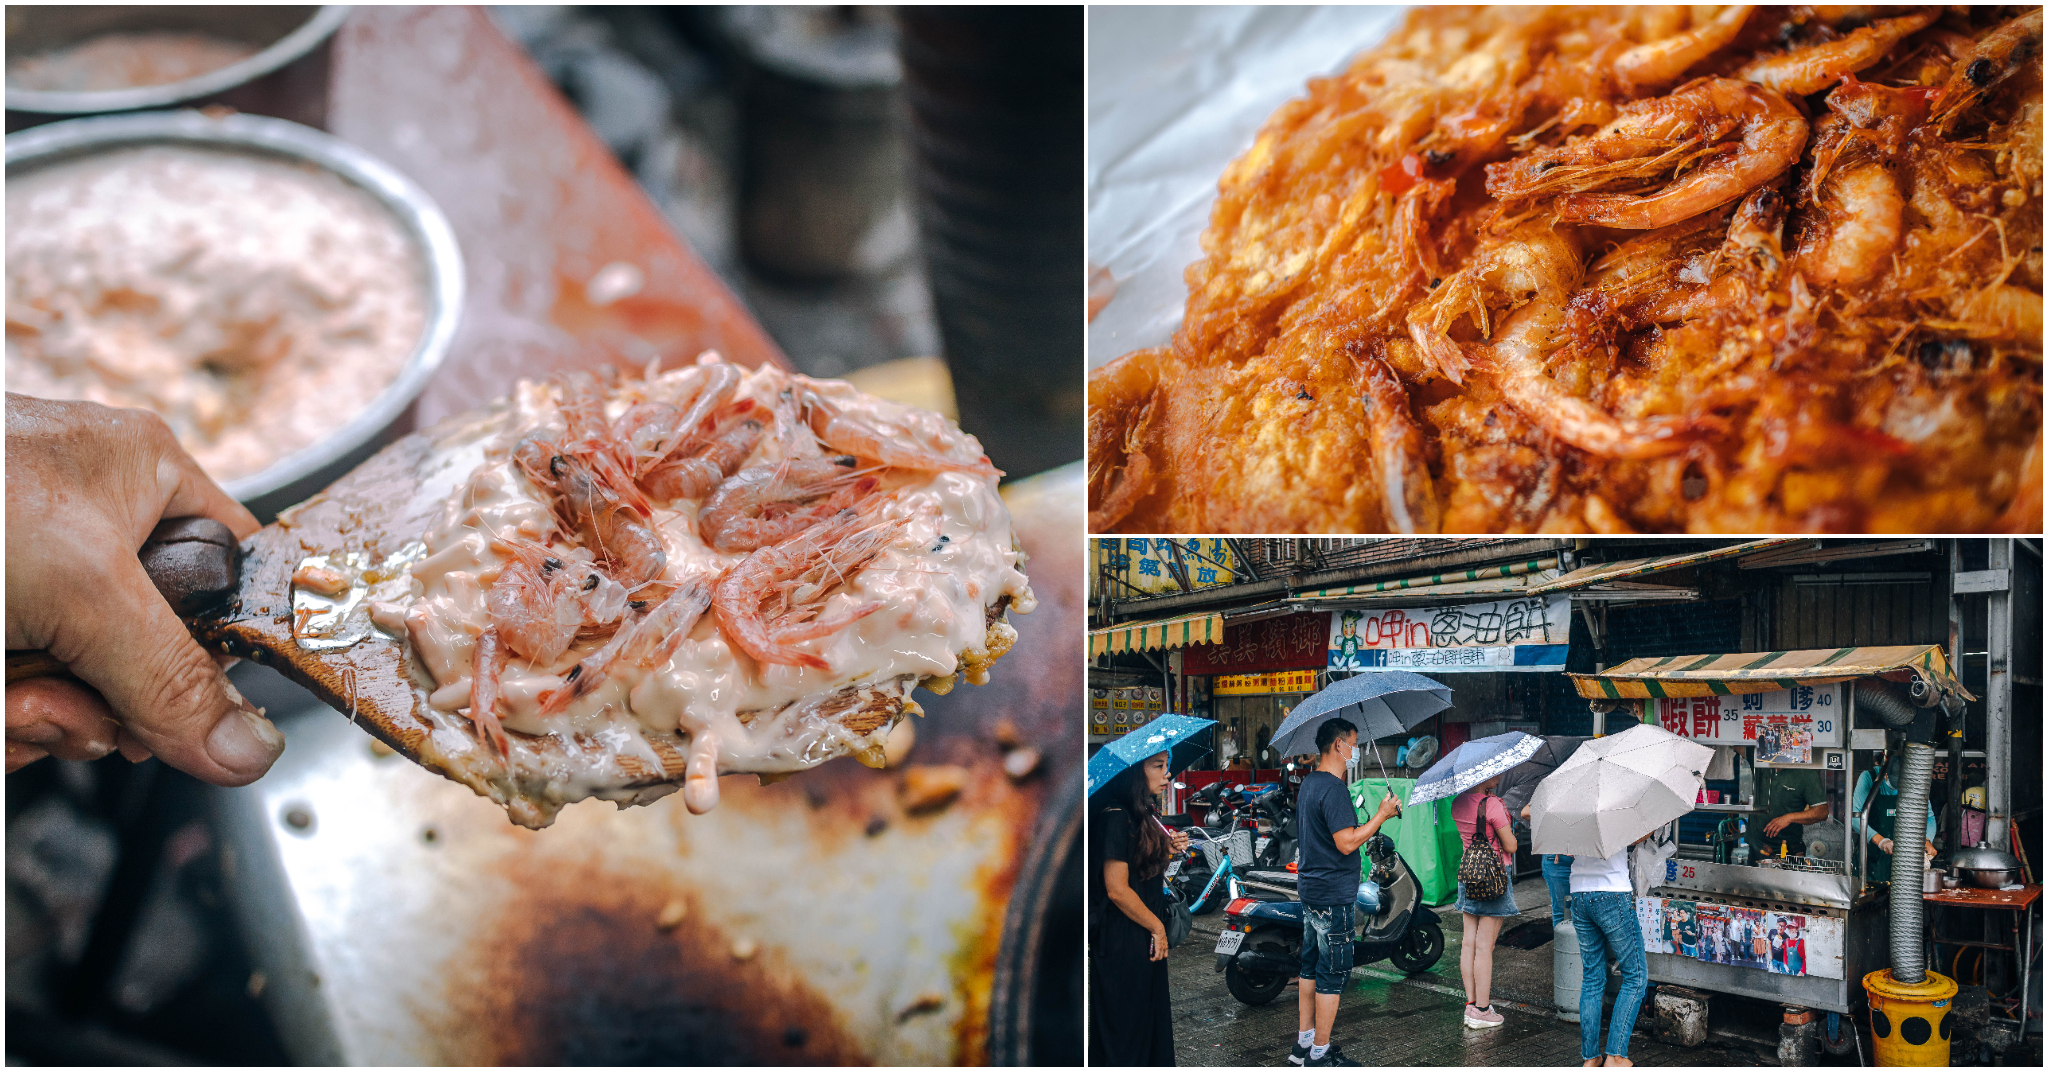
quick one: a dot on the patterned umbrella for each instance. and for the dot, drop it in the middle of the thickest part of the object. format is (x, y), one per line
(1180, 734)
(1474, 762)
(1381, 704)
(1613, 790)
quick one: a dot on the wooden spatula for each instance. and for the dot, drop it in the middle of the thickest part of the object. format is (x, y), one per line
(241, 604)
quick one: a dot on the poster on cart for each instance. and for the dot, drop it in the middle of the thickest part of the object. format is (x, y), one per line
(1785, 726)
(1781, 943)
(1528, 634)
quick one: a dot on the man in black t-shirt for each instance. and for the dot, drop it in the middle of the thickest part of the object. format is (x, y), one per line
(1330, 836)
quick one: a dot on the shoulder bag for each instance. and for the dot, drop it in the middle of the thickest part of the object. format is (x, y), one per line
(1480, 871)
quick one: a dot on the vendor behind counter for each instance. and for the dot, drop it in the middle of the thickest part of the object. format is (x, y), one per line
(1787, 799)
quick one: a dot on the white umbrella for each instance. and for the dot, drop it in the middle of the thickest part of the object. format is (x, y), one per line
(1615, 789)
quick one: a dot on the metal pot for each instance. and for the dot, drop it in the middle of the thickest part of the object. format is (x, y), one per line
(295, 476)
(287, 78)
(1985, 867)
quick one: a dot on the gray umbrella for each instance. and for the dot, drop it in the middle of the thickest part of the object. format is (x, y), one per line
(1519, 784)
(1381, 704)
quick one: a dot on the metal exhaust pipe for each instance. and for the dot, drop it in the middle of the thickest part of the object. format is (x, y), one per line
(1909, 863)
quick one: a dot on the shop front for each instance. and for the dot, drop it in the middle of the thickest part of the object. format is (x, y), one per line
(1776, 891)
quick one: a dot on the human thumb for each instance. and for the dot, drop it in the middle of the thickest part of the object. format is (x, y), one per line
(163, 687)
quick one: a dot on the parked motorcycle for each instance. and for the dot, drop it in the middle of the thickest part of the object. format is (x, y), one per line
(1259, 951)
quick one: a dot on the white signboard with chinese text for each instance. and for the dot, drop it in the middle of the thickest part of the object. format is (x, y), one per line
(1785, 726)
(1510, 635)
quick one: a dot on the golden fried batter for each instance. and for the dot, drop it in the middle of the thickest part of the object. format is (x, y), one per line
(1612, 270)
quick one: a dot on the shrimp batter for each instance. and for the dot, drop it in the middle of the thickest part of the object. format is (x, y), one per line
(1697, 269)
(579, 607)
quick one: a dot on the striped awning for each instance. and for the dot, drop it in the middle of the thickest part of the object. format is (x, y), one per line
(1473, 580)
(1205, 628)
(1587, 576)
(1768, 671)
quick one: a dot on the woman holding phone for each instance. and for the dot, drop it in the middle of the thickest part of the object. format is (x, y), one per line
(1130, 1022)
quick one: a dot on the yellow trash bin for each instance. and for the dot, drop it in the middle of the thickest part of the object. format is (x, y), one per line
(1909, 1021)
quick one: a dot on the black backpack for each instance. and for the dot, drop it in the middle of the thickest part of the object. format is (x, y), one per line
(1480, 872)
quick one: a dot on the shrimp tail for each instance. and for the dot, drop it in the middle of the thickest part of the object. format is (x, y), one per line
(483, 691)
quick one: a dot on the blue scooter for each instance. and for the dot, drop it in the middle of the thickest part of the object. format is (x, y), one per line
(1259, 951)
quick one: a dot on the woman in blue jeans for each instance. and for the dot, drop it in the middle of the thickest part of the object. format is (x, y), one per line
(1604, 914)
(1557, 878)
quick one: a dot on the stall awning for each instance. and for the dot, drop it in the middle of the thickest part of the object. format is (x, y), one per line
(1534, 578)
(1205, 628)
(1767, 671)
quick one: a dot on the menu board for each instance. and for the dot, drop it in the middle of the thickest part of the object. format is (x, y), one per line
(1784, 726)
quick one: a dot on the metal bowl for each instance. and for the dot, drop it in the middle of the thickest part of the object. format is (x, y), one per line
(300, 474)
(288, 34)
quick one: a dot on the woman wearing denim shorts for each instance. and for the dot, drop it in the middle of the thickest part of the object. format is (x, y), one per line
(1604, 914)
(1483, 918)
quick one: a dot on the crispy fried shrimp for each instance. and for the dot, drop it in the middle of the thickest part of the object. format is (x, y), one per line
(1683, 132)
(1854, 241)
(648, 641)
(1120, 472)
(1407, 491)
(774, 598)
(850, 435)
(1998, 55)
(737, 431)
(1816, 67)
(1664, 61)
(1537, 261)
(771, 503)
(1755, 234)
(484, 692)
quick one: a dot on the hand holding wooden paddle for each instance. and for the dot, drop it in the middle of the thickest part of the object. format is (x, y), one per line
(98, 658)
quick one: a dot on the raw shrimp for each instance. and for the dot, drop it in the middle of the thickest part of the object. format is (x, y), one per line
(1538, 261)
(483, 690)
(529, 608)
(653, 431)
(588, 505)
(771, 599)
(1653, 137)
(1862, 209)
(646, 642)
(850, 435)
(738, 430)
(1816, 67)
(1664, 61)
(770, 503)
(590, 440)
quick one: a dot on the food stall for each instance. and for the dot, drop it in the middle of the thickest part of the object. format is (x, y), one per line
(1797, 929)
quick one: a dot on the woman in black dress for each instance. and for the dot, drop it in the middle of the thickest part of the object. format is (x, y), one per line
(1130, 1022)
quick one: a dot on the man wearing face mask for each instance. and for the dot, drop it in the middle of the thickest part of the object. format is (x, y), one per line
(1330, 836)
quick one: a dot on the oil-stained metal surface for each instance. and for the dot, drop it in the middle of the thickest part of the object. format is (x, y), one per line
(817, 920)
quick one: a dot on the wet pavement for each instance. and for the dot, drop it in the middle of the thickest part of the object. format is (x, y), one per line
(1387, 1018)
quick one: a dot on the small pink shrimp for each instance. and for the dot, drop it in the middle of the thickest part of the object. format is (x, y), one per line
(529, 609)
(737, 431)
(850, 435)
(483, 691)
(793, 579)
(589, 506)
(771, 503)
(647, 642)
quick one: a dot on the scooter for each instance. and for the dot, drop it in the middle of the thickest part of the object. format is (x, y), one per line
(1259, 951)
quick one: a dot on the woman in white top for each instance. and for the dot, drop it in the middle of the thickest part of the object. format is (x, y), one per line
(1603, 906)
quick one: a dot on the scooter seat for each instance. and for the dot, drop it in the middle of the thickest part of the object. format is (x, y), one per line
(1290, 911)
(1287, 878)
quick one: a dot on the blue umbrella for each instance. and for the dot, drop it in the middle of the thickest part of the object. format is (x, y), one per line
(1179, 734)
(1380, 704)
(1474, 762)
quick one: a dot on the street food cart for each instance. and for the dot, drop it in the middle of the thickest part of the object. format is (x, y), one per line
(1802, 930)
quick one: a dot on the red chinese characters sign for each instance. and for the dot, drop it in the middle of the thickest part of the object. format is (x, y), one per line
(1295, 642)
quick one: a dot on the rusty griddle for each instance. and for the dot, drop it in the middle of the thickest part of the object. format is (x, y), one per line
(828, 918)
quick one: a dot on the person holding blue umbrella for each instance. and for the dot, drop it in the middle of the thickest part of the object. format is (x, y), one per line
(1130, 1017)
(1471, 772)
